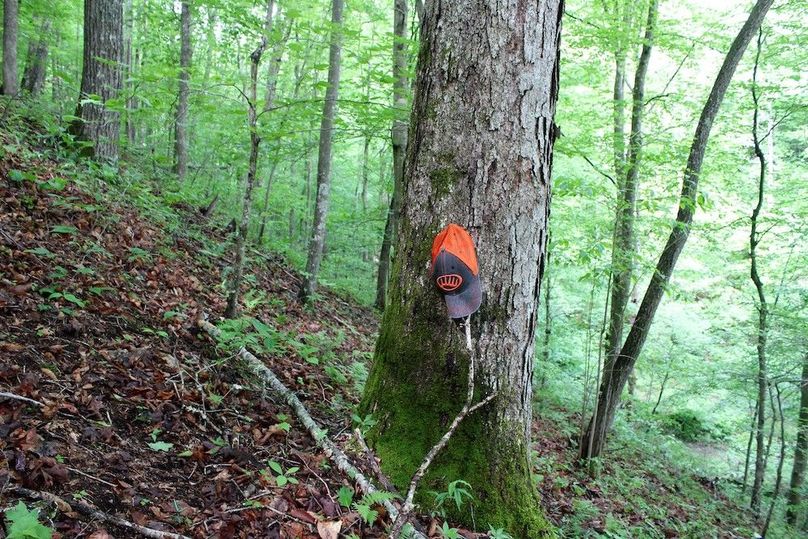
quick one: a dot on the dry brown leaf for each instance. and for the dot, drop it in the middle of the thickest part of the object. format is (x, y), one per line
(329, 529)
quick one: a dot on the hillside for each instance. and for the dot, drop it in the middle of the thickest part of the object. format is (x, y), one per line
(118, 401)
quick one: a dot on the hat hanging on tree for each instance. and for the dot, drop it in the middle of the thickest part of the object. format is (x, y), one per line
(455, 270)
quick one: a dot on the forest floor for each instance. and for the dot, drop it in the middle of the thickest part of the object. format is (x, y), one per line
(141, 415)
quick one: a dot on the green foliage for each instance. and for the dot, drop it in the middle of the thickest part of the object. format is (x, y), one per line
(457, 491)
(282, 477)
(691, 427)
(365, 505)
(22, 523)
(345, 496)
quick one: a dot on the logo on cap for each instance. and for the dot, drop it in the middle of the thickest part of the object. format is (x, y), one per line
(455, 270)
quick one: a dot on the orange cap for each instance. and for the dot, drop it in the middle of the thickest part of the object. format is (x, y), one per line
(456, 240)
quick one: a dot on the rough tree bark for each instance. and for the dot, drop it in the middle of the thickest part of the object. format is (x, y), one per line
(762, 329)
(36, 64)
(184, 92)
(614, 379)
(399, 136)
(101, 76)
(10, 28)
(800, 453)
(317, 241)
(479, 154)
(232, 308)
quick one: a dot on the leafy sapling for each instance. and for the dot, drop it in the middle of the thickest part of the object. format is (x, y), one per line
(282, 478)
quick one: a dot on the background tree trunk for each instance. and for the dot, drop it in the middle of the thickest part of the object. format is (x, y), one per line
(10, 28)
(479, 154)
(614, 379)
(36, 65)
(399, 136)
(623, 243)
(101, 76)
(762, 306)
(184, 92)
(318, 229)
(232, 308)
(800, 453)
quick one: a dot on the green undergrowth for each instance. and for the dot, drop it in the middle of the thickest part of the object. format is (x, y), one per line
(648, 484)
(147, 183)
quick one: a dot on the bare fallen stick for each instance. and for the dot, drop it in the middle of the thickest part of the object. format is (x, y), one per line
(406, 510)
(12, 396)
(383, 479)
(331, 450)
(92, 512)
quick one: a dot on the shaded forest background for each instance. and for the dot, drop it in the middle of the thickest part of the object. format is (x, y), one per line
(694, 396)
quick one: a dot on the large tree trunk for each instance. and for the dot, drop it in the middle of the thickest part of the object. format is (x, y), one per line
(36, 65)
(479, 154)
(399, 136)
(317, 241)
(800, 453)
(184, 92)
(101, 76)
(10, 27)
(614, 378)
(762, 306)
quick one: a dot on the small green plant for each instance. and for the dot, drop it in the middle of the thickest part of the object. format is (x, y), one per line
(80, 495)
(449, 533)
(157, 445)
(345, 496)
(364, 424)
(457, 491)
(65, 229)
(40, 251)
(282, 477)
(365, 506)
(136, 254)
(282, 423)
(23, 523)
(498, 533)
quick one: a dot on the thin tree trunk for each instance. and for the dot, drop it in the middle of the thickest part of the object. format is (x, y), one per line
(129, 61)
(232, 309)
(10, 29)
(779, 476)
(762, 306)
(749, 448)
(317, 242)
(614, 379)
(491, 176)
(101, 76)
(265, 208)
(623, 244)
(399, 139)
(33, 78)
(800, 453)
(184, 92)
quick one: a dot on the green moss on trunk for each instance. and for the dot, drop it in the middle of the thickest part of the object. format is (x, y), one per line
(415, 389)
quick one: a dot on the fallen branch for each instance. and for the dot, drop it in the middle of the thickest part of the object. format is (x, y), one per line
(92, 512)
(406, 510)
(331, 450)
(383, 479)
(15, 397)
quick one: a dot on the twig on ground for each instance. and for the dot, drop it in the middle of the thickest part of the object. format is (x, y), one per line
(4, 395)
(331, 450)
(94, 478)
(383, 479)
(92, 512)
